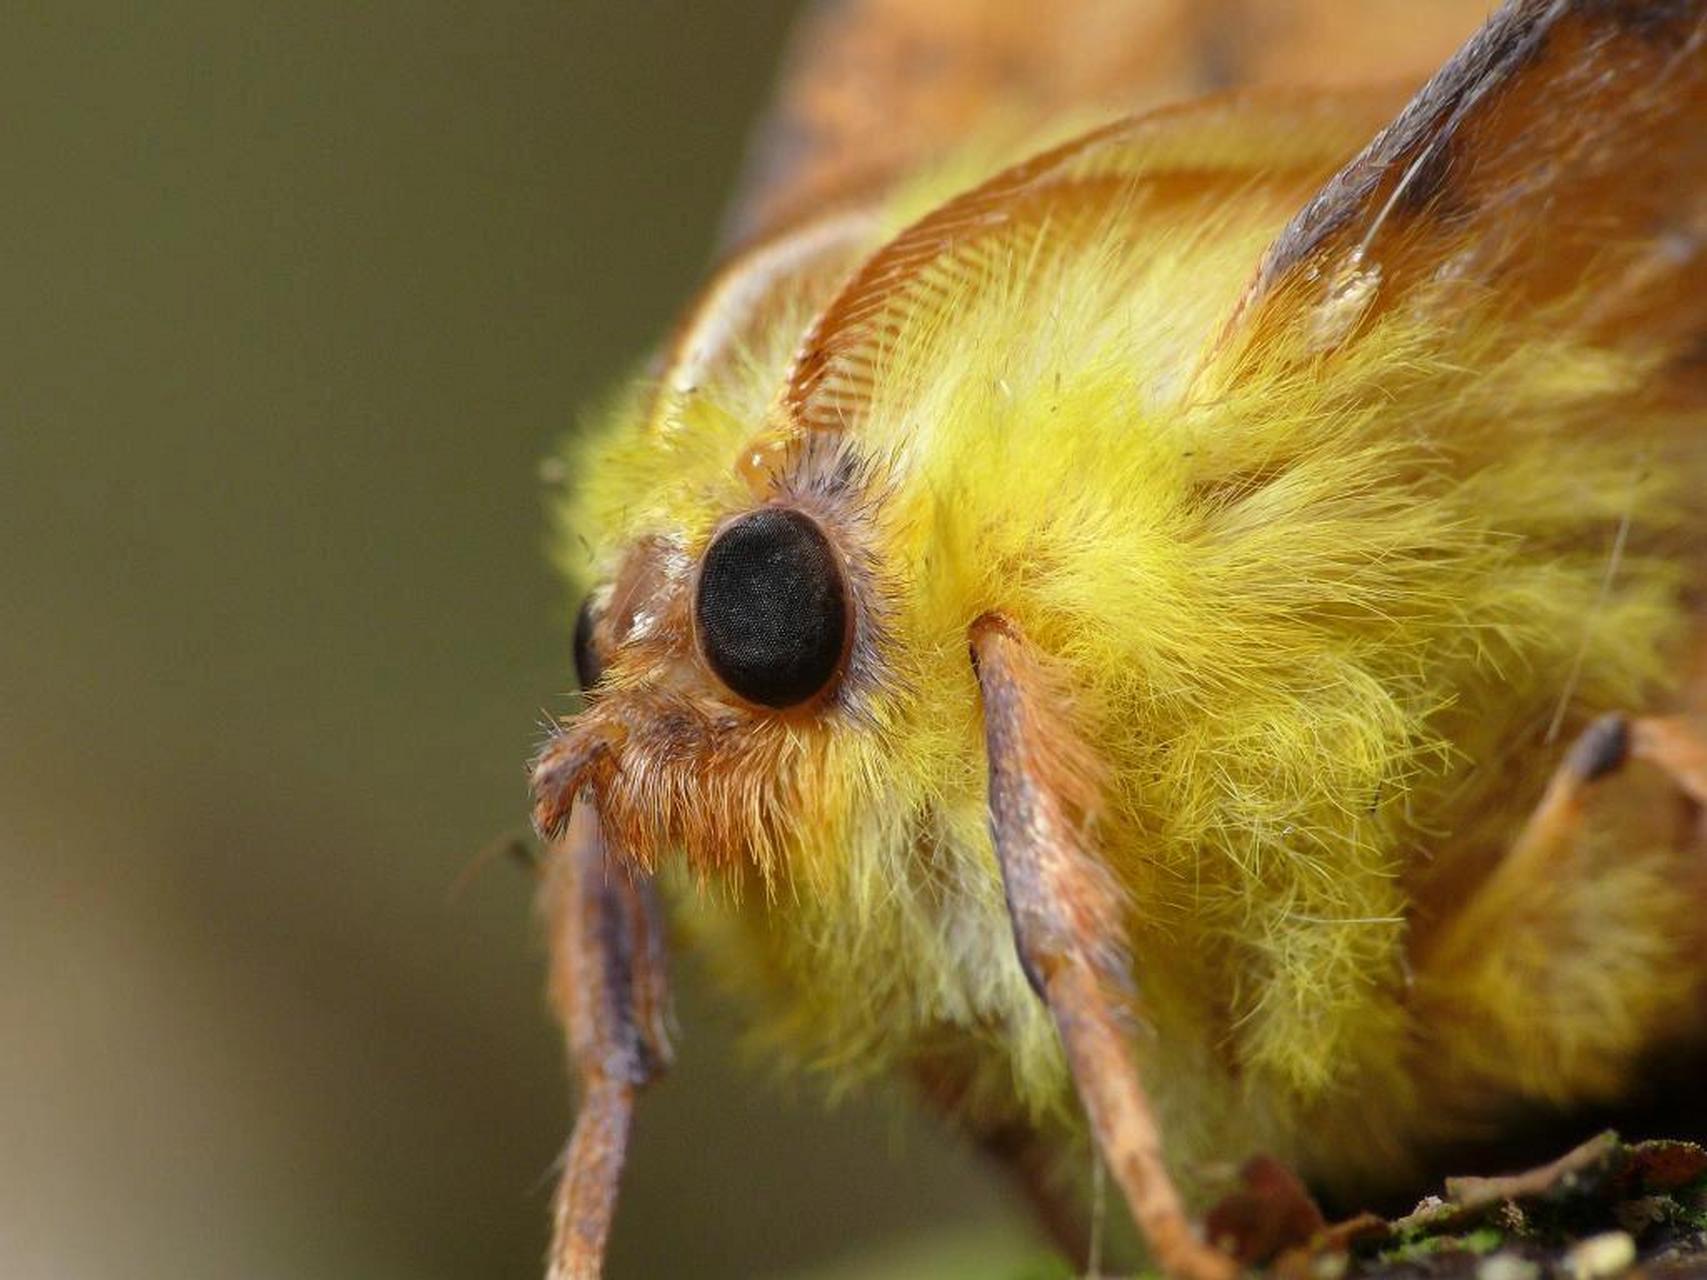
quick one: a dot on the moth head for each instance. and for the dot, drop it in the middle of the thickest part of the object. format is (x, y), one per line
(719, 661)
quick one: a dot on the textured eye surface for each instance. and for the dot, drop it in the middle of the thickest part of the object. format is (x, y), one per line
(586, 657)
(772, 607)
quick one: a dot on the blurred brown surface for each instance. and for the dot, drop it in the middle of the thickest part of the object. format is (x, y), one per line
(295, 297)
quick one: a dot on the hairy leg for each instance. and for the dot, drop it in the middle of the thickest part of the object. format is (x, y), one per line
(1604, 748)
(1067, 921)
(609, 986)
(1575, 961)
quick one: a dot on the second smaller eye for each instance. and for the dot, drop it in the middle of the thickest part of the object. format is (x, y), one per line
(771, 608)
(587, 670)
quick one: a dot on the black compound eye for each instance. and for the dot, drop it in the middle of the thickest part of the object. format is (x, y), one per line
(772, 607)
(587, 670)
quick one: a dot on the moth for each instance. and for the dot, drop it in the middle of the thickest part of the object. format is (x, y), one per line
(1158, 593)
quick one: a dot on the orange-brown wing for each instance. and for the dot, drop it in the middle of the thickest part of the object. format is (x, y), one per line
(1263, 152)
(1557, 164)
(872, 88)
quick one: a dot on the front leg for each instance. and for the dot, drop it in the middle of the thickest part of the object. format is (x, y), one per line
(609, 986)
(1500, 913)
(1067, 920)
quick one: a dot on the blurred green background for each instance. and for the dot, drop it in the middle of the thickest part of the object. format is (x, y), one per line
(296, 297)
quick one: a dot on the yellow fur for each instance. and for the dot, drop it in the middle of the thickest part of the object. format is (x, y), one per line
(1317, 614)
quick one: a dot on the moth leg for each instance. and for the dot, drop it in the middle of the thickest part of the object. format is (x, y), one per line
(1067, 921)
(1016, 1147)
(609, 986)
(1538, 856)
(1677, 748)
(1605, 747)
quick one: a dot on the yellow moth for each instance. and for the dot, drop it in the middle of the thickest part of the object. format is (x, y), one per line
(1166, 616)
